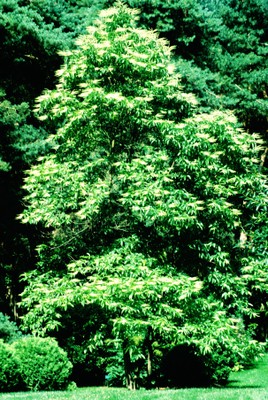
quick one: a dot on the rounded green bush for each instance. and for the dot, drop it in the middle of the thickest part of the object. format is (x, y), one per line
(9, 372)
(42, 363)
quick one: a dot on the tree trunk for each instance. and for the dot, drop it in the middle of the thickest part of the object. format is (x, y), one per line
(131, 373)
(12, 302)
(149, 341)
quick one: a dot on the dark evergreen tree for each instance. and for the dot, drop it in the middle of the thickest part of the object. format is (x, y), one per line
(31, 34)
(221, 51)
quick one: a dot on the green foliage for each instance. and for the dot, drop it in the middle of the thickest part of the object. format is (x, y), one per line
(8, 329)
(66, 14)
(251, 384)
(31, 35)
(32, 363)
(115, 370)
(221, 51)
(26, 49)
(145, 203)
(10, 379)
(42, 364)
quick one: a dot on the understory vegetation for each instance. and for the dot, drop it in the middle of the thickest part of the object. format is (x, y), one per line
(249, 384)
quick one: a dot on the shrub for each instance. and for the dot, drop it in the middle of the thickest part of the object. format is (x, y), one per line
(10, 379)
(185, 366)
(218, 366)
(78, 327)
(42, 363)
(181, 367)
(8, 329)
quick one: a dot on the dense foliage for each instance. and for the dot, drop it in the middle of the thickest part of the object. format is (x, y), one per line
(113, 210)
(31, 34)
(221, 49)
(32, 363)
(10, 378)
(42, 364)
(150, 207)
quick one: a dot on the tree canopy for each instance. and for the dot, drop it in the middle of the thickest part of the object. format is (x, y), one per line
(150, 207)
(220, 52)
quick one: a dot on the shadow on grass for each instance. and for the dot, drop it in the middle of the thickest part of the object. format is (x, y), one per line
(232, 384)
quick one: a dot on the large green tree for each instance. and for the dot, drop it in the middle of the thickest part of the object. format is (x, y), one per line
(148, 205)
(220, 53)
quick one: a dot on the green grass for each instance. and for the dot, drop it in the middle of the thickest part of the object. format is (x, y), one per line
(245, 385)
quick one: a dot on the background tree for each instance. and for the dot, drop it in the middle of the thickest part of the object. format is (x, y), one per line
(221, 52)
(31, 34)
(145, 203)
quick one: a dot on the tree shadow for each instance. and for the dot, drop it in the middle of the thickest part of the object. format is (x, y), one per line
(235, 384)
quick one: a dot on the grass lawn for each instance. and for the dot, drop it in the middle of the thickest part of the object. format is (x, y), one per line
(245, 385)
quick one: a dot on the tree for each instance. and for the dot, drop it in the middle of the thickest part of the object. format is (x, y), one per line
(221, 52)
(31, 35)
(16, 151)
(145, 201)
(28, 57)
